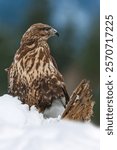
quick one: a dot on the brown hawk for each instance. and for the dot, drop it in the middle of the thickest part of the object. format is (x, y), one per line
(34, 77)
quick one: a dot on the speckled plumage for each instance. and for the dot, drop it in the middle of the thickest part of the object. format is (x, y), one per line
(33, 76)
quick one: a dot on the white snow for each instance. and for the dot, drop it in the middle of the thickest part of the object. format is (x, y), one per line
(56, 109)
(21, 129)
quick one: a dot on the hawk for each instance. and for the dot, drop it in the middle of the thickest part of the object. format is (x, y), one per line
(34, 76)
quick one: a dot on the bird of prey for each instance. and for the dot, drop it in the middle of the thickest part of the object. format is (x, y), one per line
(34, 76)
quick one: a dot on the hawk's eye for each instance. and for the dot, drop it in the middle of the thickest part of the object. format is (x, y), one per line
(47, 28)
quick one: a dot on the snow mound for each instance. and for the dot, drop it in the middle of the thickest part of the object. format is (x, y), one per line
(21, 129)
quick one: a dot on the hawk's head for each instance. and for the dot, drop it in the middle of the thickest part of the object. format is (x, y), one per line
(40, 31)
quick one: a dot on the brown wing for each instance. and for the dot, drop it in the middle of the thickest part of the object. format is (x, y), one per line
(54, 62)
(62, 86)
(12, 80)
(49, 89)
(66, 94)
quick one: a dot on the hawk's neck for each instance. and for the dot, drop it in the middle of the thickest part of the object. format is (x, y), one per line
(30, 47)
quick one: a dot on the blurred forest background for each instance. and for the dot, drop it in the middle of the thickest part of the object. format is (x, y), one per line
(77, 50)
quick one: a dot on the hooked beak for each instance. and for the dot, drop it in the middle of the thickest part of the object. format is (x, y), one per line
(55, 32)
